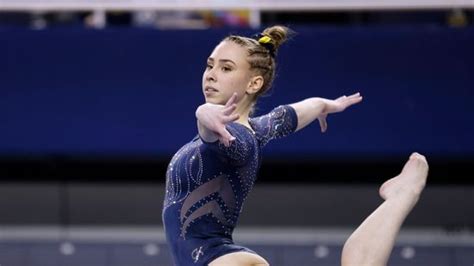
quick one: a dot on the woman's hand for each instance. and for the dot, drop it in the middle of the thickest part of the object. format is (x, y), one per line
(336, 106)
(212, 119)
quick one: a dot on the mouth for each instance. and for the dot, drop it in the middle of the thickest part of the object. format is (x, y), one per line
(208, 90)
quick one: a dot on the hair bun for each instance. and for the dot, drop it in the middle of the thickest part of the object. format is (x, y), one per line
(265, 41)
(278, 34)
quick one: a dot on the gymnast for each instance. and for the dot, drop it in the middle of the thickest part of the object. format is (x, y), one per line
(209, 178)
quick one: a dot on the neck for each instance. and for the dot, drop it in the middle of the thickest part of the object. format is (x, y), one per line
(243, 109)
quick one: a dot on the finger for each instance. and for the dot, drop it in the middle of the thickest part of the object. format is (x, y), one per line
(231, 100)
(323, 124)
(228, 110)
(346, 98)
(226, 137)
(230, 118)
(355, 95)
(341, 98)
(224, 141)
(224, 133)
(354, 100)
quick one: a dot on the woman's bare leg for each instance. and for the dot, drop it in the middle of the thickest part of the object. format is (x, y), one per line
(372, 242)
(239, 259)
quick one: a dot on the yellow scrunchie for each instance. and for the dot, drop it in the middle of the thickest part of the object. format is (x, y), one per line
(265, 39)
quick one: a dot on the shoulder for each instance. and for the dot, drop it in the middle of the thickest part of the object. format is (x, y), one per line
(281, 113)
(279, 122)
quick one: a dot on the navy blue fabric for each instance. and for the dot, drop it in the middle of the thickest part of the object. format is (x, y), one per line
(207, 184)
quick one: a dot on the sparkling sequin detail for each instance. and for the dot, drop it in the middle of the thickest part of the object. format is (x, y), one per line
(207, 184)
(177, 187)
(276, 124)
(215, 189)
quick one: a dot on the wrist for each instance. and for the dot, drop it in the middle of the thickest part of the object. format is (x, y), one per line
(319, 104)
(201, 109)
(198, 111)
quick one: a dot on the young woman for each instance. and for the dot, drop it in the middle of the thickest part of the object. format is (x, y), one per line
(209, 178)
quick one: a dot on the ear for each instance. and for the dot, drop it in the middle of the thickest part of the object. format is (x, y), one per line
(255, 84)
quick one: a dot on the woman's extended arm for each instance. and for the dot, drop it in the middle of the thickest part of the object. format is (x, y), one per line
(318, 108)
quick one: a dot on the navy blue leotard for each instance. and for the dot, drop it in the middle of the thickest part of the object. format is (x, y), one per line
(207, 183)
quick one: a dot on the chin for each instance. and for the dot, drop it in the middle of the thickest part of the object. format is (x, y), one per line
(213, 100)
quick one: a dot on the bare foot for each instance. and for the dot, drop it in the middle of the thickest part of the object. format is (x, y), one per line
(410, 181)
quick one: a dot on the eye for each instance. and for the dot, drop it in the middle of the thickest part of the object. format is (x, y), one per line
(208, 66)
(226, 69)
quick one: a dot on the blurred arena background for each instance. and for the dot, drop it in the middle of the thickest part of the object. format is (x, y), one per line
(96, 96)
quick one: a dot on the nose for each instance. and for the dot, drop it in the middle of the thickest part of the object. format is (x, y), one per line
(210, 75)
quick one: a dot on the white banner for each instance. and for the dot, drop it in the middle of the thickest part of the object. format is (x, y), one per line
(290, 5)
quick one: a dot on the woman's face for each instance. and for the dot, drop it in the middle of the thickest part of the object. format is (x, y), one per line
(227, 71)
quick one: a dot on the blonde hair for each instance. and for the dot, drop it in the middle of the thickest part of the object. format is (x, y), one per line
(262, 52)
